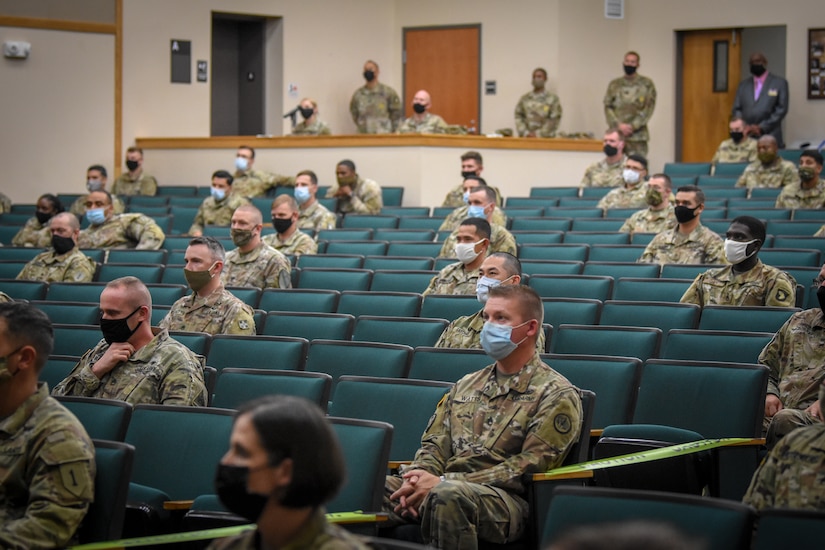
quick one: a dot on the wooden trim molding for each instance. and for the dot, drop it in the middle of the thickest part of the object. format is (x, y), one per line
(118, 87)
(58, 24)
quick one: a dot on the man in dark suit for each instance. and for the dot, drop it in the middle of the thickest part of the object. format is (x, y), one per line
(762, 100)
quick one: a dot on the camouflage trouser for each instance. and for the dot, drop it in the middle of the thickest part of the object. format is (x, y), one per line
(635, 148)
(784, 422)
(456, 514)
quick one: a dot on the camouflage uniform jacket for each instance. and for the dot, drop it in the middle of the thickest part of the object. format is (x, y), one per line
(650, 221)
(298, 243)
(453, 279)
(465, 333)
(316, 217)
(604, 174)
(5, 204)
(539, 113)
(793, 473)
(366, 198)
(316, 128)
(48, 266)
(454, 219)
(625, 197)
(78, 207)
(316, 534)
(778, 174)
(700, 246)
(376, 111)
(455, 198)
(262, 267)
(163, 372)
(34, 235)
(47, 468)
(796, 359)
(123, 231)
(213, 212)
(432, 124)
(491, 432)
(793, 196)
(630, 101)
(730, 151)
(763, 285)
(255, 183)
(219, 313)
(501, 240)
(144, 184)
(820, 232)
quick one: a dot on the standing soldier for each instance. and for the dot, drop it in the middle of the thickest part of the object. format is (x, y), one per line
(538, 112)
(629, 103)
(375, 107)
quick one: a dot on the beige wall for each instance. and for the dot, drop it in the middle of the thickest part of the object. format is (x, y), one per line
(325, 43)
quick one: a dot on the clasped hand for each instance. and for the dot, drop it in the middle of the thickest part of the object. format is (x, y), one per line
(411, 494)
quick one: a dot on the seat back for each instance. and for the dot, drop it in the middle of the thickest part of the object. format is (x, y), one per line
(580, 449)
(662, 315)
(551, 267)
(237, 386)
(598, 237)
(575, 311)
(25, 290)
(363, 248)
(615, 253)
(75, 339)
(257, 352)
(715, 345)
(639, 342)
(747, 318)
(69, 313)
(791, 256)
(57, 368)
(104, 520)
(335, 279)
(405, 404)
(621, 269)
(410, 331)
(402, 280)
(410, 248)
(338, 358)
(650, 290)
(572, 286)
(329, 326)
(776, 524)
(103, 418)
(685, 271)
(247, 295)
(399, 263)
(334, 261)
(75, 292)
(299, 299)
(388, 304)
(198, 342)
(446, 364)
(568, 252)
(357, 221)
(166, 294)
(444, 306)
(134, 256)
(148, 273)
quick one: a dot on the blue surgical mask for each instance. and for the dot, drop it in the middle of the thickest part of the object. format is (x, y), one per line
(483, 286)
(218, 194)
(466, 197)
(475, 211)
(302, 194)
(495, 339)
(241, 164)
(96, 216)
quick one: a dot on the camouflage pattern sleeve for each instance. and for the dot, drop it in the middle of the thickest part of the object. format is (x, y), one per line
(760, 493)
(436, 445)
(645, 111)
(521, 116)
(455, 197)
(32, 234)
(82, 381)
(715, 250)
(81, 269)
(198, 222)
(504, 242)
(241, 320)
(693, 295)
(820, 232)
(183, 383)
(394, 108)
(5, 204)
(454, 218)
(366, 198)
(146, 232)
(781, 290)
(771, 356)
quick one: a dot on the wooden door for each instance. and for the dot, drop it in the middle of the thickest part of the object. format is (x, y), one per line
(706, 102)
(445, 61)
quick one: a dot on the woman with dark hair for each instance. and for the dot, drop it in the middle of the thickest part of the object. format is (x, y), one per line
(283, 463)
(36, 231)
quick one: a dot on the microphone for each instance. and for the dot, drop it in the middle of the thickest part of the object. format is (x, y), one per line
(293, 112)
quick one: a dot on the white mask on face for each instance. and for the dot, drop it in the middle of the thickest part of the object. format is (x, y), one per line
(465, 252)
(630, 176)
(736, 251)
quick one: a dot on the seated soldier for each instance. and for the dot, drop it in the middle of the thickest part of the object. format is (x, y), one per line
(110, 230)
(36, 232)
(288, 238)
(217, 209)
(472, 243)
(482, 205)
(63, 262)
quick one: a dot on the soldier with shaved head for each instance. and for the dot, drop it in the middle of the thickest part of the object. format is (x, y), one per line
(253, 263)
(63, 262)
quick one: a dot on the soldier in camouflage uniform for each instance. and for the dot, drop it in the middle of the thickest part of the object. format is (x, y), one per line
(689, 242)
(659, 215)
(311, 125)
(5, 298)
(312, 214)
(746, 281)
(5, 204)
(422, 121)
(538, 113)
(95, 181)
(455, 217)
(796, 360)
(253, 263)
(608, 171)
(47, 461)
(517, 416)
(210, 308)
(628, 105)
(481, 205)
(633, 193)
(810, 191)
(355, 194)
(63, 262)
(473, 243)
(770, 170)
(499, 268)
(134, 362)
(793, 473)
(110, 230)
(135, 181)
(288, 238)
(251, 183)
(471, 166)
(35, 233)
(218, 208)
(738, 148)
(375, 107)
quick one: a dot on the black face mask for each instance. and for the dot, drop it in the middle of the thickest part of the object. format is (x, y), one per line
(609, 150)
(419, 108)
(230, 485)
(684, 214)
(117, 330)
(369, 76)
(467, 173)
(757, 69)
(820, 295)
(281, 224)
(42, 217)
(62, 245)
(306, 112)
(132, 165)
(737, 136)
(629, 69)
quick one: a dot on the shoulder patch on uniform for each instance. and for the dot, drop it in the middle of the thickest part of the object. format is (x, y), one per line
(75, 477)
(243, 324)
(781, 295)
(562, 423)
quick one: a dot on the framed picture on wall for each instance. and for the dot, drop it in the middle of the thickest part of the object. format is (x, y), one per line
(816, 63)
